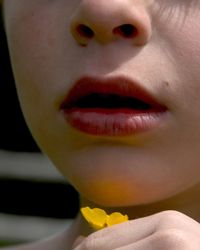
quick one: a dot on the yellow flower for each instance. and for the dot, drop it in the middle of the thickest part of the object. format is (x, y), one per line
(99, 219)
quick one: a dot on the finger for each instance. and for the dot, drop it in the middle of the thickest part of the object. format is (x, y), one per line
(132, 231)
(119, 235)
(165, 240)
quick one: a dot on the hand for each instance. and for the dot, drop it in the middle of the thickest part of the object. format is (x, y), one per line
(168, 230)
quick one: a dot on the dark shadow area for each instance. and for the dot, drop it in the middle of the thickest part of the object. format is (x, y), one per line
(44, 199)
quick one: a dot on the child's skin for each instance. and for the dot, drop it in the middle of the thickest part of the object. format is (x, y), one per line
(155, 173)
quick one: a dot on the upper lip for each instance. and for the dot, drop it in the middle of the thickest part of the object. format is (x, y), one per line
(120, 85)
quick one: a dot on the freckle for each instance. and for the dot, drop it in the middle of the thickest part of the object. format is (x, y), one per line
(166, 84)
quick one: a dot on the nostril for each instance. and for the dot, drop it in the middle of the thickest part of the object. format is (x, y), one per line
(84, 31)
(125, 30)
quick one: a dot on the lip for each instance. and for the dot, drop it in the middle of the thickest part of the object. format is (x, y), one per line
(121, 121)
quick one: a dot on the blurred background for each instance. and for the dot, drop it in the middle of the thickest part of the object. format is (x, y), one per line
(35, 200)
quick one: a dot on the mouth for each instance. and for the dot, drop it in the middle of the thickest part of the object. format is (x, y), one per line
(111, 106)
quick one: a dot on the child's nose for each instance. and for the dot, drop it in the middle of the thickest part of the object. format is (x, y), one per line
(107, 20)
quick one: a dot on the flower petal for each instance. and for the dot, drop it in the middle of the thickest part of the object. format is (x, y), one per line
(116, 218)
(96, 217)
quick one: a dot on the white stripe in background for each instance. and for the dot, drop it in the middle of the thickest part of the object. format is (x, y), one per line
(28, 228)
(27, 166)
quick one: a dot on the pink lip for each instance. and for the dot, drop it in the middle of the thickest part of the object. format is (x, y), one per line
(120, 121)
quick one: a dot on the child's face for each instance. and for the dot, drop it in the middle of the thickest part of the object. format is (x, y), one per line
(49, 55)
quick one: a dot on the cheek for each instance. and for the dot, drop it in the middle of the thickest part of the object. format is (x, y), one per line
(42, 74)
(41, 54)
(183, 36)
(40, 57)
(32, 49)
(188, 64)
(32, 65)
(179, 36)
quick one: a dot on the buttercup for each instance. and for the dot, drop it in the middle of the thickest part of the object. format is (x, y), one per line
(111, 93)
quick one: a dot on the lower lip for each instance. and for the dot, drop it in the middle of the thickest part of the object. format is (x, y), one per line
(113, 122)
